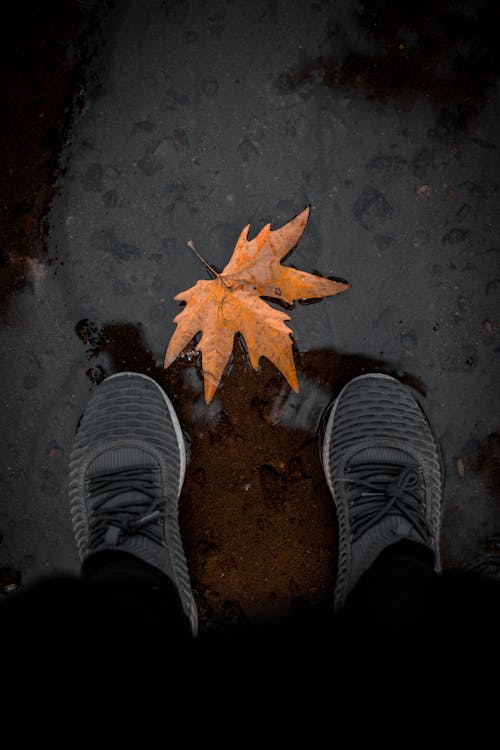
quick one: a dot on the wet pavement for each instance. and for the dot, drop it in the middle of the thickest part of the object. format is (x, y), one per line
(194, 120)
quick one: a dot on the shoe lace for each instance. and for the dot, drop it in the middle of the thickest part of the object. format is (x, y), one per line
(126, 502)
(376, 490)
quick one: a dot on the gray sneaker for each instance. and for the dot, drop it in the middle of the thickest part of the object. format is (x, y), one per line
(125, 476)
(382, 466)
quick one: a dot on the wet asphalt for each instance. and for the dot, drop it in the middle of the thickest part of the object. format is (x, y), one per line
(196, 118)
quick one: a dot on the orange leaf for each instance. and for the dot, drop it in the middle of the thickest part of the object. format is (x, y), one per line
(231, 304)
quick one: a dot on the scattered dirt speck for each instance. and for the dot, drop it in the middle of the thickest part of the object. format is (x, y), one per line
(10, 580)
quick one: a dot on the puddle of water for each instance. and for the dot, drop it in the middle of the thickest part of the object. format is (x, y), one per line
(481, 459)
(38, 66)
(486, 462)
(257, 518)
(427, 48)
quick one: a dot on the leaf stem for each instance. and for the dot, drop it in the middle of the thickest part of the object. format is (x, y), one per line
(209, 268)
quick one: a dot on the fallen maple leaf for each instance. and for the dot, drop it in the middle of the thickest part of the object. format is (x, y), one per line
(231, 304)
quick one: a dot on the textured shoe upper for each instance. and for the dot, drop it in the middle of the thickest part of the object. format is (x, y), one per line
(125, 502)
(126, 472)
(381, 463)
(377, 489)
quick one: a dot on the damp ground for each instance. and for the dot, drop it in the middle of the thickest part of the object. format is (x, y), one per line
(180, 132)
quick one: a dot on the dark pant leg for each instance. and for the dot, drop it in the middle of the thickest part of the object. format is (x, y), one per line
(401, 602)
(144, 606)
(120, 615)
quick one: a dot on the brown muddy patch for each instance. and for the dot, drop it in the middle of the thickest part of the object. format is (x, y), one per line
(486, 462)
(257, 519)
